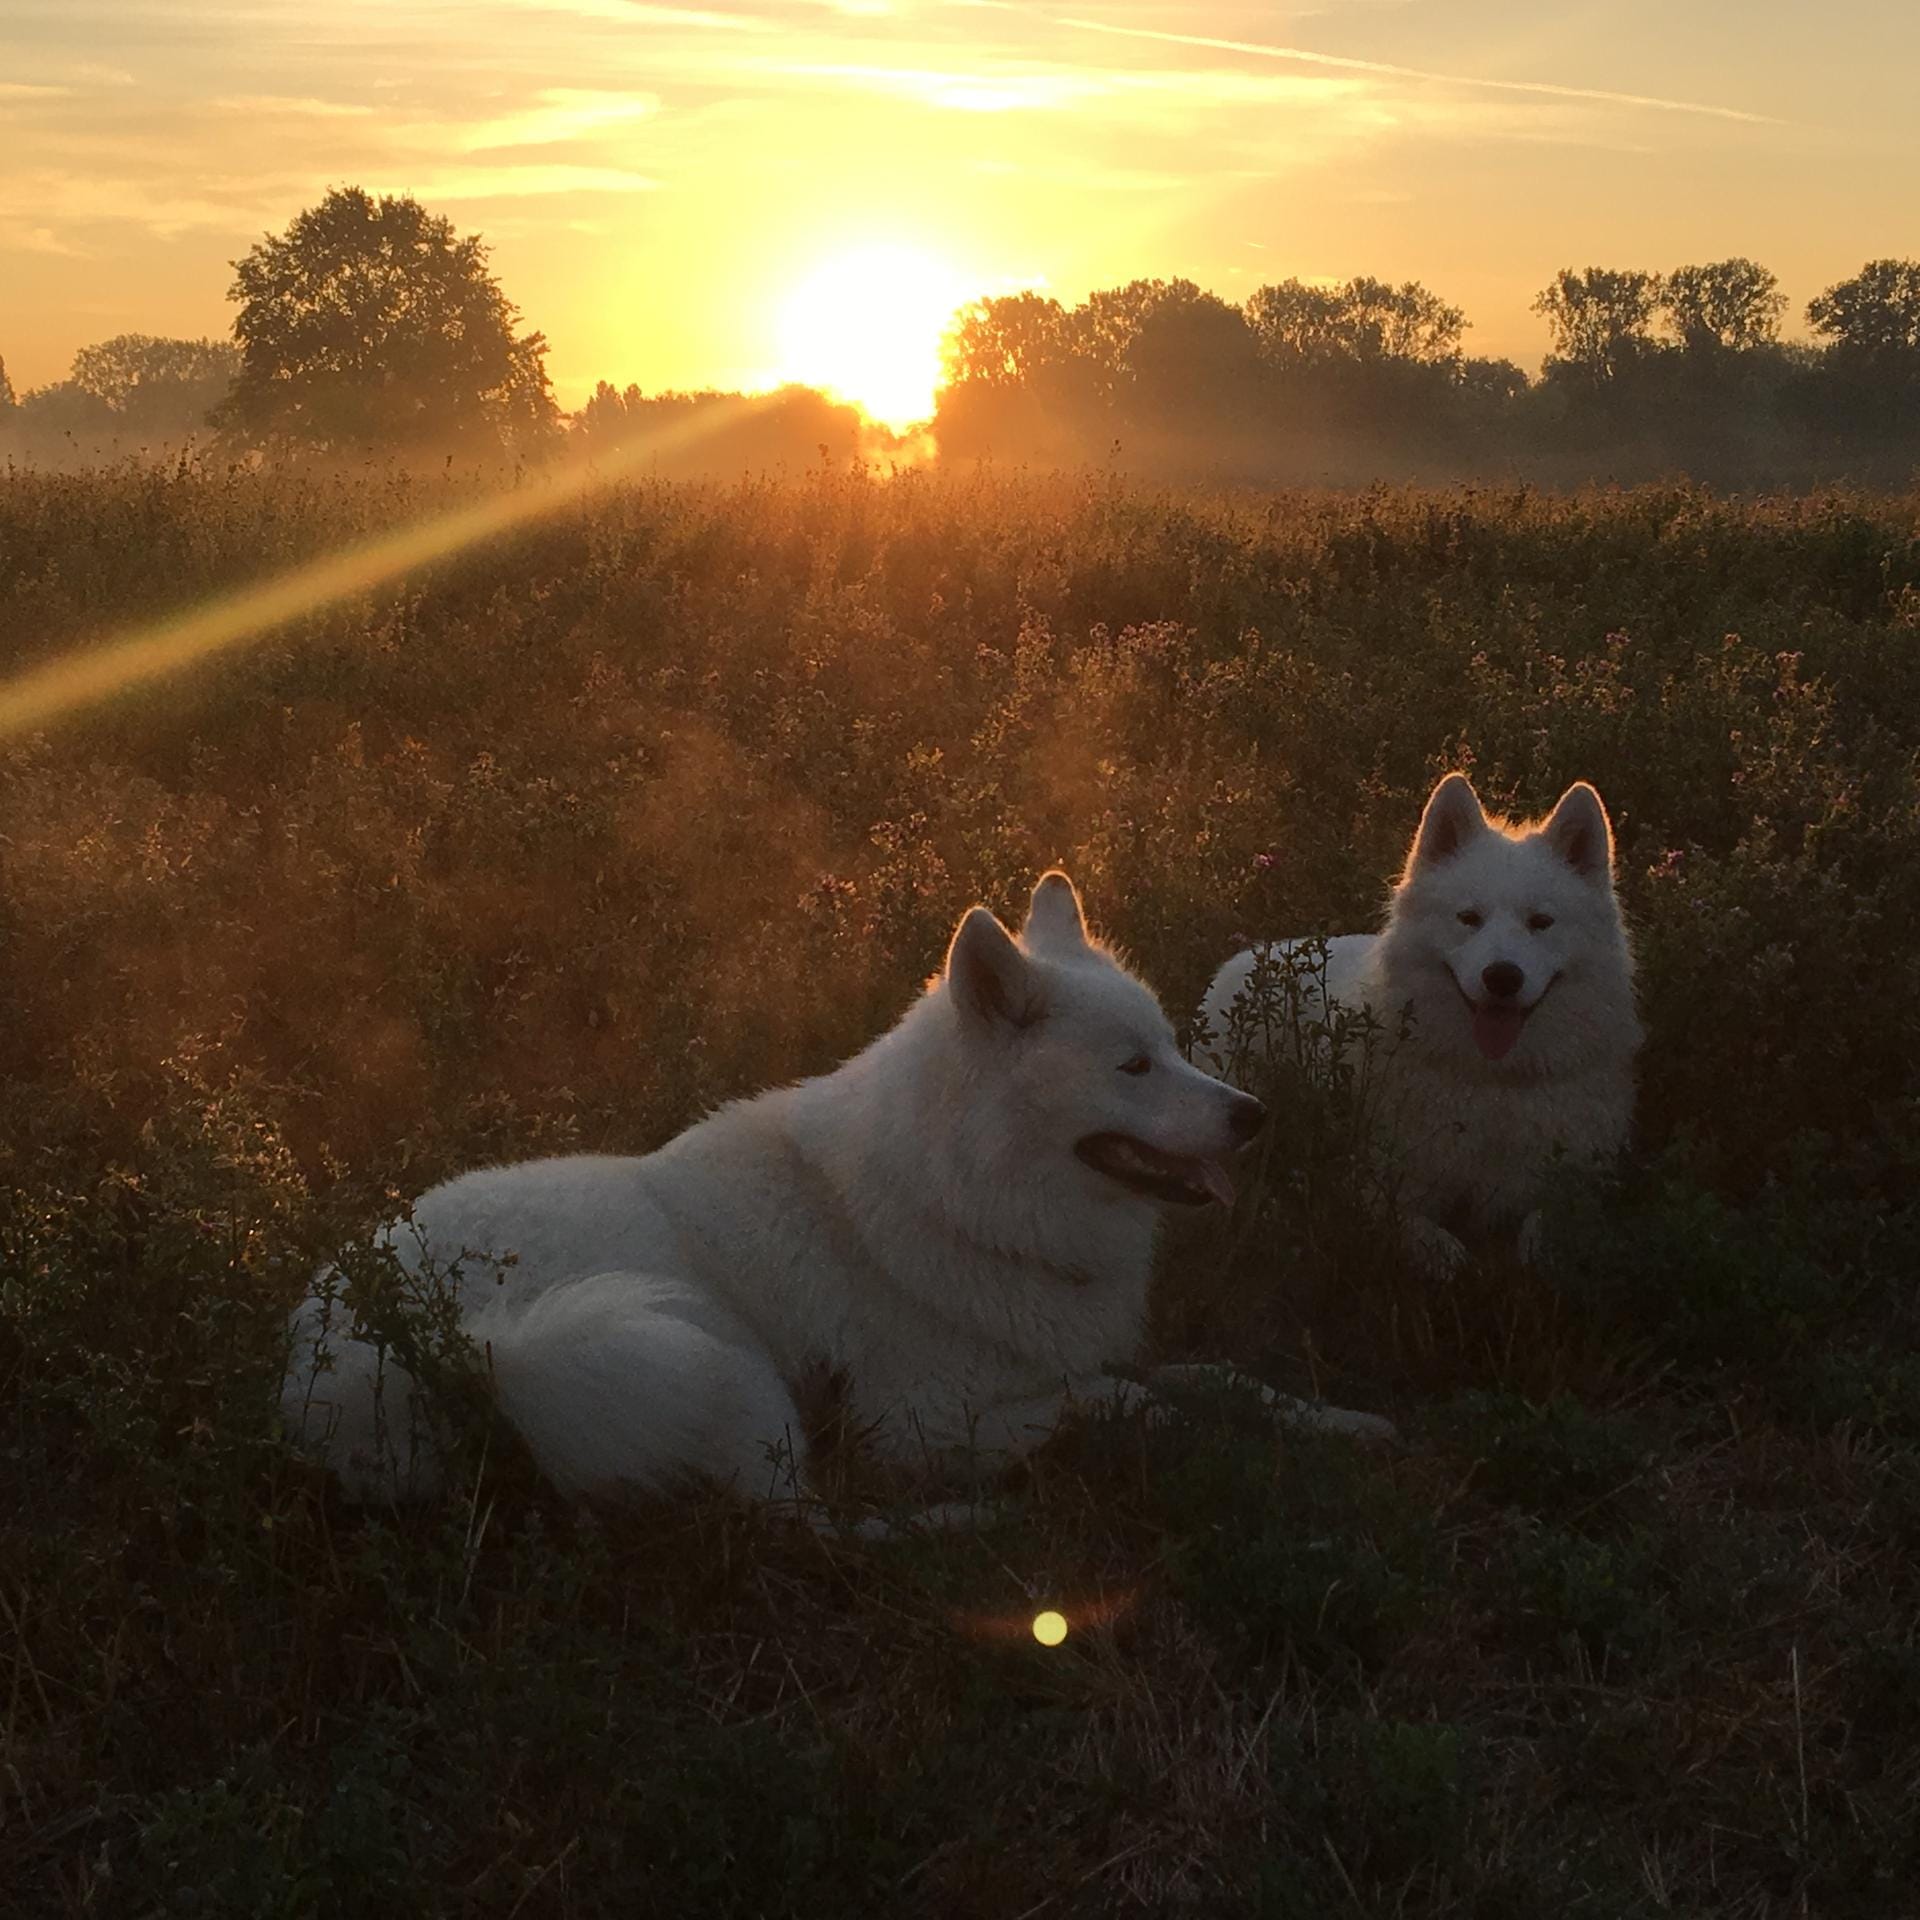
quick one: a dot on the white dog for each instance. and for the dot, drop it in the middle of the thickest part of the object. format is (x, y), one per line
(1505, 953)
(942, 1245)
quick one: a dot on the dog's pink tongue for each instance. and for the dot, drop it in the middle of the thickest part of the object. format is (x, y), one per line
(1213, 1176)
(1495, 1029)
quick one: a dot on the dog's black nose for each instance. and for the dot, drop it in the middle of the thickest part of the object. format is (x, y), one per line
(1503, 979)
(1247, 1117)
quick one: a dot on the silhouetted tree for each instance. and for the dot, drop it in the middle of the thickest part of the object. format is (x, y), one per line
(1013, 340)
(1191, 361)
(1733, 306)
(157, 386)
(1600, 320)
(1496, 382)
(372, 321)
(64, 410)
(7, 401)
(1293, 322)
(705, 433)
(1875, 316)
(1104, 327)
(1364, 320)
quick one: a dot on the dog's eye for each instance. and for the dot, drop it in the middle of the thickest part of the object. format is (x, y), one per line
(1138, 1065)
(1539, 922)
(1469, 918)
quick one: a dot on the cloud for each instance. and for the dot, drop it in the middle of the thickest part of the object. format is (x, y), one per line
(296, 106)
(1545, 88)
(18, 236)
(517, 183)
(638, 13)
(559, 113)
(1054, 88)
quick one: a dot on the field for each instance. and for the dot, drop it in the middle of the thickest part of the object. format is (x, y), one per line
(678, 792)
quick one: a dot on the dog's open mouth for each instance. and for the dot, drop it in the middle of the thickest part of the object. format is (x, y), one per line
(1497, 1023)
(1160, 1176)
(1496, 1027)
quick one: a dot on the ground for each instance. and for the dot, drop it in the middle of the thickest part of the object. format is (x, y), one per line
(678, 791)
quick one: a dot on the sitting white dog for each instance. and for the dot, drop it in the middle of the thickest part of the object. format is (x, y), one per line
(1506, 957)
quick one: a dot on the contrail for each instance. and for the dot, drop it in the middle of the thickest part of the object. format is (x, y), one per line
(97, 671)
(1301, 54)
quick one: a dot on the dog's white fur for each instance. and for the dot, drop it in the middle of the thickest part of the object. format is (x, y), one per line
(1467, 1135)
(919, 1234)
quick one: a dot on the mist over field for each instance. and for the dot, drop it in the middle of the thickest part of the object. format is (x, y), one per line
(668, 791)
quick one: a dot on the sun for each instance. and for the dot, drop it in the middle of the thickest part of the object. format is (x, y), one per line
(866, 326)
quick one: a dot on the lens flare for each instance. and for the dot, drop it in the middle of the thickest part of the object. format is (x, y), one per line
(95, 672)
(1050, 1628)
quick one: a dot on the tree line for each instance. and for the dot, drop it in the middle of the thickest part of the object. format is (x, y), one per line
(370, 324)
(1681, 370)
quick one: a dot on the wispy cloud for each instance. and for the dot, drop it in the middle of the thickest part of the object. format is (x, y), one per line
(557, 114)
(1042, 86)
(22, 237)
(1304, 56)
(287, 105)
(638, 13)
(970, 92)
(518, 183)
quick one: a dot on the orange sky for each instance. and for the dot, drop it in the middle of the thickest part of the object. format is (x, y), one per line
(657, 180)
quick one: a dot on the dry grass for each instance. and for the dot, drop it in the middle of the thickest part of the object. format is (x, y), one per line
(679, 792)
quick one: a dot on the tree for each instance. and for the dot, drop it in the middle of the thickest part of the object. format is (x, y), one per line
(64, 411)
(1730, 306)
(1104, 327)
(1600, 320)
(1383, 322)
(155, 385)
(1294, 322)
(1875, 316)
(1366, 320)
(1017, 339)
(7, 401)
(1192, 360)
(371, 321)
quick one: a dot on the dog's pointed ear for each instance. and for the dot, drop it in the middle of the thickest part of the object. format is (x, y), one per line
(1579, 831)
(1453, 817)
(1054, 920)
(988, 975)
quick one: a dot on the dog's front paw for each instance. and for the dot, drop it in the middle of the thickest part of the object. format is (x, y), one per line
(1434, 1252)
(1369, 1429)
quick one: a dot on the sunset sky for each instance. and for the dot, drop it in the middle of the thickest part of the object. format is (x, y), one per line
(675, 195)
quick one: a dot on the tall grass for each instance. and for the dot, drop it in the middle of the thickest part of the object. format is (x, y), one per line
(678, 793)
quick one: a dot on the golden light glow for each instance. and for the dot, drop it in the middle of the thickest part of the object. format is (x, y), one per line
(1050, 1628)
(78, 678)
(866, 325)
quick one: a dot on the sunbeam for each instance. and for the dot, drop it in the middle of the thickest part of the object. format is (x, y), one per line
(84, 675)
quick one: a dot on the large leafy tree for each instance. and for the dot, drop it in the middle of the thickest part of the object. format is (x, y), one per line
(370, 321)
(1011, 340)
(1730, 306)
(1600, 320)
(1366, 320)
(1875, 316)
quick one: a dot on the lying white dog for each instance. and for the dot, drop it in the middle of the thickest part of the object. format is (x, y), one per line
(1505, 951)
(942, 1246)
